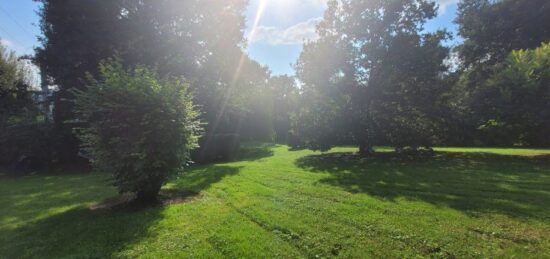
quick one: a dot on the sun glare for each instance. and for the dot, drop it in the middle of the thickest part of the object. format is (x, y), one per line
(259, 13)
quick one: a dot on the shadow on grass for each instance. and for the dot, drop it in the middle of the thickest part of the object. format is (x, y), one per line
(198, 178)
(473, 183)
(49, 217)
(54, 217)
(25, 199)
(254, 151)
(79, 233)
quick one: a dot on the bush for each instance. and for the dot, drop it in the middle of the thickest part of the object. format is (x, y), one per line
(217, 148)
(26, 147)
(140, 128)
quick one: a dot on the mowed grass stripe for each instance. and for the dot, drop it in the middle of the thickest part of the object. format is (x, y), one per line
(476, 203)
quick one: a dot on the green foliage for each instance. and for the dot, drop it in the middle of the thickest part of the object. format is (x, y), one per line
(491, 31)
(217, 148)
(493, 28)
(140, 129)
(516, 100)
(197, 39)
(373, 76)
(16, 104)
(319, 122)
(20, 133)
(32, 140)
(285, 96)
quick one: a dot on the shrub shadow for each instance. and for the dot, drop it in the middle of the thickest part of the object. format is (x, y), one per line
(473, 183)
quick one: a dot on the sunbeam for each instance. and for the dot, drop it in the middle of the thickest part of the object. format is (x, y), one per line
(259, 14)
(236, 75)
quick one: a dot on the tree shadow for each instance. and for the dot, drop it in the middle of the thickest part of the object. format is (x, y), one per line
(198, 178)
(250, 151)
(80, 232)
(32, 227)
(473, 183)
(254, 151)
(25, 199)
(50, 217)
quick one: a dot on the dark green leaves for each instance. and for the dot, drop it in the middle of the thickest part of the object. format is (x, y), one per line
(140, 128)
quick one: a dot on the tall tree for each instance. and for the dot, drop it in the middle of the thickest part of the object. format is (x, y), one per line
(491, 31)
(284, 94)
(493, 28)
(373, 73)
(198, 39)
(516, 100)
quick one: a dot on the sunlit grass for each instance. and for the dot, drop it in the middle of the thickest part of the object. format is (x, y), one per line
(487, 203)
(498, 151)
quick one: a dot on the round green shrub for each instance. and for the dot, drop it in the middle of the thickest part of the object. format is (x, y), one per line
(139, 128)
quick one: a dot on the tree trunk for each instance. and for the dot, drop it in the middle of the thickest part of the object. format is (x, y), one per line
(148, 194)
(365, 149)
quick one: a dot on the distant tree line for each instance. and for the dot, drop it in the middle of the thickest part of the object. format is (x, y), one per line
(201, 41)
(374, 77)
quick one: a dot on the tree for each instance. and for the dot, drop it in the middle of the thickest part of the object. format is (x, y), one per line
(241, 106)
(284, 94)
(516, 100)
(16, 103)
(491, 31)
(372, 75)
(198, 39)
(139, 128)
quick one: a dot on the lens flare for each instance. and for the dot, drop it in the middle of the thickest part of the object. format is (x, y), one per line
(259, 14)
(229, 91)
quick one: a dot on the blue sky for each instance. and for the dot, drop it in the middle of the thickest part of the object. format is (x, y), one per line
(281, 27)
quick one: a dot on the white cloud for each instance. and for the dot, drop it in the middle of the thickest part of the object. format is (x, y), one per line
(444, 4)
(315, 2)
(7, 43)
(303, 31)
(295, 34)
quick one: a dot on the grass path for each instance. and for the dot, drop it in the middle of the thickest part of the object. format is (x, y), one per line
(474, 203)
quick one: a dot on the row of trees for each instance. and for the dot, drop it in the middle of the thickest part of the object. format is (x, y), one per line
(375, 76)
(138, 82)
(199, 40)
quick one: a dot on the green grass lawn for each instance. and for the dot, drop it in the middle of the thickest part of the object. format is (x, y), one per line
(480, 203)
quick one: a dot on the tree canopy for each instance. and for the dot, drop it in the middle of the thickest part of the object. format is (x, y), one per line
(200, 40)
(373, 74)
